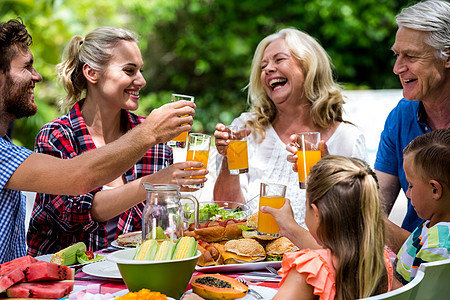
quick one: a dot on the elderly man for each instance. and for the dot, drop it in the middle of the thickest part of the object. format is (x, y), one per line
(21, 169)
(422, 48)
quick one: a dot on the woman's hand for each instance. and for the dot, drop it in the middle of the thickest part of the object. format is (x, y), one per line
(179, 174)
(222, 138)
(293, 148)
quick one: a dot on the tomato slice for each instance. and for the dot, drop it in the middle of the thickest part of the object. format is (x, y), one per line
(90, 254)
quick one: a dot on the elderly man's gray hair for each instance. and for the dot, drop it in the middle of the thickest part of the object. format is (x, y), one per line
(431, 16)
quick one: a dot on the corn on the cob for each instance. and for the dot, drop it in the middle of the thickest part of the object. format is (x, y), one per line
(68, 256)
(165, 251)
(147, 250)
(186, 247)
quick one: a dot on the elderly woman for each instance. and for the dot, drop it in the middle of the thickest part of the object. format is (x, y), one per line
(291, 90)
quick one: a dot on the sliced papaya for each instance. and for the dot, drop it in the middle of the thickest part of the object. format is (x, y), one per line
(218, 287)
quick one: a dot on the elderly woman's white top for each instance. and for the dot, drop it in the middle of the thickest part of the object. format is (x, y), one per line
(268, 163)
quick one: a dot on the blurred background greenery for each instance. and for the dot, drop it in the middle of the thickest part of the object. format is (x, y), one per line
(204, 48)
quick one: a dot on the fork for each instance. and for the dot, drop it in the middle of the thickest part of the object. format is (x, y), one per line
(250, 291)
(272, 270)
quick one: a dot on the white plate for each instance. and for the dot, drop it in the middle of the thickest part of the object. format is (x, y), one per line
(47, 257)
(265, 292)
(235, 268)
(104, 269)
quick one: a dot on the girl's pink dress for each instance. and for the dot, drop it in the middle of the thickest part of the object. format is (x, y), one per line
(318, 267)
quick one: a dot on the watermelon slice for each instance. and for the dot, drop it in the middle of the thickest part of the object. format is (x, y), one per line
(13, 277)
(45, 289)
(44, 271)
(21, 262)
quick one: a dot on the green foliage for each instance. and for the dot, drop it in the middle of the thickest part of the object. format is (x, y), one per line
(204, 48)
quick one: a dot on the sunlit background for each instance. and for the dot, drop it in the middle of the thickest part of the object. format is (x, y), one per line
(204, 47)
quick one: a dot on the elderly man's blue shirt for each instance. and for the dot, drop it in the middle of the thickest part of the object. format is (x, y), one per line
(404, 123)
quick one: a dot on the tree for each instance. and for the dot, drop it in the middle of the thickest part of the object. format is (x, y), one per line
(204, 48)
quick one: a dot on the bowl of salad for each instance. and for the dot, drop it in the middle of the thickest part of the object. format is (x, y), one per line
(218, 210)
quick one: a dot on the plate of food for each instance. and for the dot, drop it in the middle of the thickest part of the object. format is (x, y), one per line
(236, 246)
(73, 256)
(128, 240)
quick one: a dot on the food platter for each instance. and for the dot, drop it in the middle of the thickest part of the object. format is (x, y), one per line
(236, 268)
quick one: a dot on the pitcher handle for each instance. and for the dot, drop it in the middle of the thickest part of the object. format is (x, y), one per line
(196, 208)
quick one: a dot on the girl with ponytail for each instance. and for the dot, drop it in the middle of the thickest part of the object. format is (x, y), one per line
(344, 216)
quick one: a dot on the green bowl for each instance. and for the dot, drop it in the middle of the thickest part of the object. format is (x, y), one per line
(169, 277)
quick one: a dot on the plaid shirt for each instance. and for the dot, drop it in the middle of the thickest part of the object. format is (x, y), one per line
(57, 221)
(12, 203)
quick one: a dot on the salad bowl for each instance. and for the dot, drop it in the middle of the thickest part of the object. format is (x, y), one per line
(218, 210)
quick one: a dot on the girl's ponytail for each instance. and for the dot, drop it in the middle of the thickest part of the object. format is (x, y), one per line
(371, 253)
(95, 50)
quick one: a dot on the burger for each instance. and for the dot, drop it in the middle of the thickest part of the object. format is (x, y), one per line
(277, 248)
(241, 251)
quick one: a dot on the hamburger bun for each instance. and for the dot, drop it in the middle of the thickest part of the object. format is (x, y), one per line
(275, 249)
(242, 251)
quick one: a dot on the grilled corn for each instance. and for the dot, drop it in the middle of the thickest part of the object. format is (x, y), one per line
(147, 250)
(186, 247)
(68, 256)
(165, 251)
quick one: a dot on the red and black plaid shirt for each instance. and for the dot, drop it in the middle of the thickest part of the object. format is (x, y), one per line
(57, 221)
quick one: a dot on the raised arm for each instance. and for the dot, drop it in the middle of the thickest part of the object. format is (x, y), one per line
(79, 175)
(225, 184)
(290, 228)
(108, 204)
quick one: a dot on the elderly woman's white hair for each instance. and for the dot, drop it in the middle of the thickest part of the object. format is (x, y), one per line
(433, 17)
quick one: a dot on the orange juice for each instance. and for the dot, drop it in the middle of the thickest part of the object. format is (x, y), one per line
(311, 158)
(237, 155)
(267, 223)
(200, 156)
(181, 137)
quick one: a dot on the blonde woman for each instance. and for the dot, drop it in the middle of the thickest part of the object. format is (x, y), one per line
(291, 90)
(102, 76)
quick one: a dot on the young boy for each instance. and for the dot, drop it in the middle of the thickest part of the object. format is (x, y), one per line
(427, 168)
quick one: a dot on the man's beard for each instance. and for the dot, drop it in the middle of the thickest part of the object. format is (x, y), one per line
(16, 99)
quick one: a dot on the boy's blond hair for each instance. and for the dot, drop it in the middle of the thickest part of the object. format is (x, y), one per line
(432, 155)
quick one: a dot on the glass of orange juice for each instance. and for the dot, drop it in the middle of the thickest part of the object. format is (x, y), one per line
(180, 140)
(308, 154)
(271, 194)
(198, 150)
(237, 153)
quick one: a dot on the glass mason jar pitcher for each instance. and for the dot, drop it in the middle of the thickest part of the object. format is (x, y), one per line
(163, 213)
